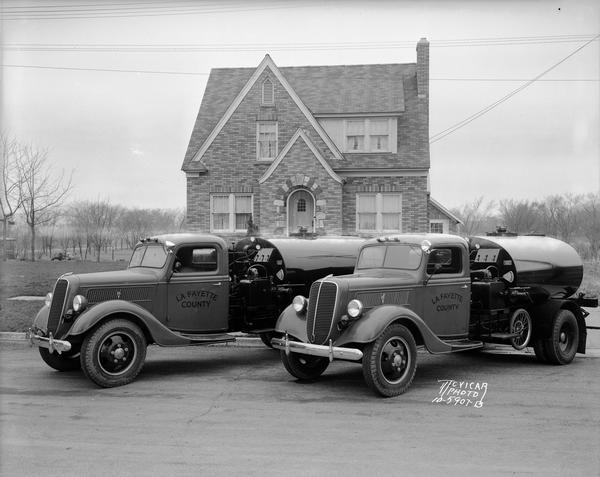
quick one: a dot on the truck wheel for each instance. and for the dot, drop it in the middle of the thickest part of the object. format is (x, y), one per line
(539, 347)
(390, 362)
(61, 362)
(266, 338)
(304, 367)
(520, 322)
(564, 340)
(114, 353)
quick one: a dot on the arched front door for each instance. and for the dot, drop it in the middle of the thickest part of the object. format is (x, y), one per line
(301, 211)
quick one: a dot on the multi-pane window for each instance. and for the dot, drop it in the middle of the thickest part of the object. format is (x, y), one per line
(438, 226)
(380, 212)
(268, 92)
(230, 212)
(355, 136)
(267, 140)
(368, 135)
(301, 207)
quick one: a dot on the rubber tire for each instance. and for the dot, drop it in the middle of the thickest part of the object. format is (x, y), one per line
(92, 345)
(372, 359)
(61, 362)
(266, 338)
(304, 367)
(539, 348)
(563, 322)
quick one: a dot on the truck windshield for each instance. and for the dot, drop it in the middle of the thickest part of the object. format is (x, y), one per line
(149, 256)
(399, 256)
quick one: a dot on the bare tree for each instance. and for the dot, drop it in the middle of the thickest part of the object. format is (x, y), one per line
(561, 215)
(520, 216)
(590, 223)
(475, 216)
(42, 192)
(95, 221)
(11, 197)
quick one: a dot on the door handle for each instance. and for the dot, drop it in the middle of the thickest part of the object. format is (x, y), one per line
(218, 284)
(465, 286)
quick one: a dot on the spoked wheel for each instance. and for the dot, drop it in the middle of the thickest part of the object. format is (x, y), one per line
(520, 322)
(304, 367)
(114, 353)
(68, 361)
(564, 340)
(390, 362)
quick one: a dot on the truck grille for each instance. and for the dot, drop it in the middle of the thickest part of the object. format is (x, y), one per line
(321, 311)
(57, 305)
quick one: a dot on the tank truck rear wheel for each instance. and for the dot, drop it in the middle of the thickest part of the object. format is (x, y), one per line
(390, 362)
(520, 322)
(266, 338)
(539, 347)
(61, 362)
(114, 353)
(304, 367)
(564, 339)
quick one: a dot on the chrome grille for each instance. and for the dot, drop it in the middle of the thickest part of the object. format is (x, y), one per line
(97, 295)
(321, 311)
(57, 305)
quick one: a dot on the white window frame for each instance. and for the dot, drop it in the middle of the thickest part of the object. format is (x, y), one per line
(378, 212)
(268, 100)
(367, 136)
(231, 211)
(445, 225)
(258, 125)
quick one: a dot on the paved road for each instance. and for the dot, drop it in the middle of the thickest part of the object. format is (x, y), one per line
(235, 411)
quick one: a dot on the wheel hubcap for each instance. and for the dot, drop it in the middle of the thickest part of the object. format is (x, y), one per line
(117, 353)
(395, 360)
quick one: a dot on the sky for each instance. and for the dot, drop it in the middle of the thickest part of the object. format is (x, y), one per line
(112, 89)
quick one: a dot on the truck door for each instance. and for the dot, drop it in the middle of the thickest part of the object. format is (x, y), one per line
(446, 298)
(198, 291)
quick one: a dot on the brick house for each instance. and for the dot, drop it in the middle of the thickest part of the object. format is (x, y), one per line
(327, 150)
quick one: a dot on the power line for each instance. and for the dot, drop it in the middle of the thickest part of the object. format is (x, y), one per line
(143, 11)
(473, 117)
(204, 73)
(195, 47)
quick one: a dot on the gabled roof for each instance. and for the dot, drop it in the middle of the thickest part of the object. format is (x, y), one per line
(297, 135)
(267, 62)
(322, 90)
(444, 210)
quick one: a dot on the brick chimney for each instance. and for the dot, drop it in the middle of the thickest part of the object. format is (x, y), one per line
(423, 68)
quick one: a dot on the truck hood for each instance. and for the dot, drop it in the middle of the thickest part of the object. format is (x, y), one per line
(379, 279)
(128, 277)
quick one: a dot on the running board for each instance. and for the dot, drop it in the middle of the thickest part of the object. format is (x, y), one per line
(206, 339)
(464, 345)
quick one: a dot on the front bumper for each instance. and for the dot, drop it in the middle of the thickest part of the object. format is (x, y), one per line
(48, 342)
(331, 352)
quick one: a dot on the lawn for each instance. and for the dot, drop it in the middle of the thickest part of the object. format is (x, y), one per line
(19, 278)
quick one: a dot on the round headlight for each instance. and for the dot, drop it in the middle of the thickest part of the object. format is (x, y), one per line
(48, 299)
(355, 308)
(79, 303)
(300, 303)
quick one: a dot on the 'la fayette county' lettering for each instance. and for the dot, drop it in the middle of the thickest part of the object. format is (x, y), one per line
(196, 299)
(447, 301)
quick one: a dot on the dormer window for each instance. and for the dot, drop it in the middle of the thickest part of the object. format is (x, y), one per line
(268, 92)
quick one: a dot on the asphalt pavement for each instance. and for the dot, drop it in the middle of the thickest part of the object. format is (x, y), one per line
(234, 410)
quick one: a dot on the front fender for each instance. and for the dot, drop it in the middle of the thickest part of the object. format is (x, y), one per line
(41, 319)
(292, 323)
(158, 332)
(372, 324)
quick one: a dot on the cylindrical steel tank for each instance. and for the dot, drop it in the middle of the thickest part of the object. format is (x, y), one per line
(539, 262)
(300, 262)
